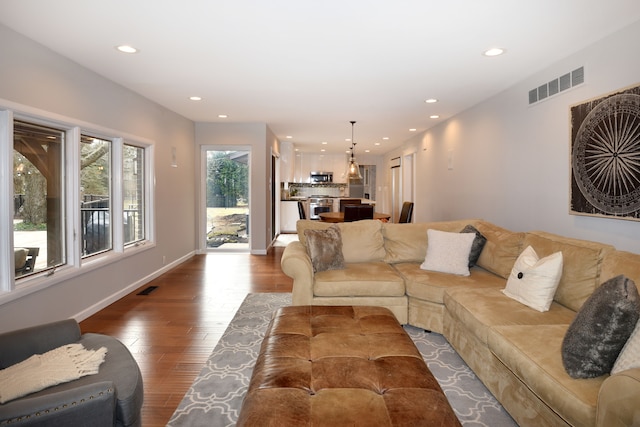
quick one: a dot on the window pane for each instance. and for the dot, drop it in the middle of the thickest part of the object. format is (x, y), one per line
(38, 235)
(133, 182)
(95, 191)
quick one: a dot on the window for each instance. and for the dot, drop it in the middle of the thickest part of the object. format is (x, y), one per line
(95, 194)
(134, 194)
(38, 211)
(77, 197)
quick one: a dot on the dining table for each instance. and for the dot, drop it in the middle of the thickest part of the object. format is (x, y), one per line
(339, 216)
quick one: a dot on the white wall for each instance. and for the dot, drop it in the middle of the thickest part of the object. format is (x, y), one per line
(36, 77)
(511, 162)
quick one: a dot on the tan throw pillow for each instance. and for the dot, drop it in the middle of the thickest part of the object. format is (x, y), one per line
(448, 252)
(533, 281)
(325, 249)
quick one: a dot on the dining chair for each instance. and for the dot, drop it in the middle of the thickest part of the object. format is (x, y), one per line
(347, 202)
(365, 212)
(406, 212)
(301, 210)
(350, 213)
(357, 212)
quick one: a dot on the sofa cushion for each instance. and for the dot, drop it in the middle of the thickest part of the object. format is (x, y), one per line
(325, 249)
(408, 242)
(532, 353)
(501, 249)
(582, 263)
(601, 328)
(533, 281)
(620, 262)
(362, 241)
(481, 309)
(448, 252)
(431, 285)
(478, 244)
(627, 263)
(359, 279)
(307, 224)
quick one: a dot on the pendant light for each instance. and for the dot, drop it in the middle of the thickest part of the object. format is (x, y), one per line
(353, 169)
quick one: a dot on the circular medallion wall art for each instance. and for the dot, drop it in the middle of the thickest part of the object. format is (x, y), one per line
(605, 156)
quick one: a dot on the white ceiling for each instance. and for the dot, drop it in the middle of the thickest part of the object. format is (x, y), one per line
(306, 68)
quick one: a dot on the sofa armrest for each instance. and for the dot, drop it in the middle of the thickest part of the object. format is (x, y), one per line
(19, 345)
(92, 404)
(296, 264)
(619, 400)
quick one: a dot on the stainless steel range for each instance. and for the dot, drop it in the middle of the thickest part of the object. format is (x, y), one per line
(319, 204)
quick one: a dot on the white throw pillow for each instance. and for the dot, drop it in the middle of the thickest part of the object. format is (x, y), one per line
(448, 252)
(629, 357)
(533, 281)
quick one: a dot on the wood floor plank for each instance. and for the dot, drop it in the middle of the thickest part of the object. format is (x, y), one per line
(172, 331)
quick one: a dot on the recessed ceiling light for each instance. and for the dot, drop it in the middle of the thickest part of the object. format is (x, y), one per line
(367, 151)
(322, 150)
(127, 49)
(435, 116)
(412, 130)
(324, 142)
(377, 143)
(494, 51)
(385, 138)
(431, 101)
(223, 116)
(288, 137)
(195, 98)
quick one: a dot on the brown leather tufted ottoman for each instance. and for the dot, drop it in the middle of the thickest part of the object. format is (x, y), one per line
(341, 366)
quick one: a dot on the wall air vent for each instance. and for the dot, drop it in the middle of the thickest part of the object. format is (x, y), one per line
(557, 85)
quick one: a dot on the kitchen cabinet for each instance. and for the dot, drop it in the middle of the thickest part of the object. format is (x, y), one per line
(339, 167)
(305, 163)
(287, 162)
(288, 216)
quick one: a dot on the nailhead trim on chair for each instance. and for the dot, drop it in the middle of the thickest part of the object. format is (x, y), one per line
(57, 408)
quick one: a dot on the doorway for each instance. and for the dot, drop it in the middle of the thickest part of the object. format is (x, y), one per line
(226, 197)
(402, 183)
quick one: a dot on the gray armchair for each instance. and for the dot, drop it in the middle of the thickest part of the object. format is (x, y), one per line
(113, 397)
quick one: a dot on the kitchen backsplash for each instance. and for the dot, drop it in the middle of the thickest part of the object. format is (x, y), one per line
(306, 190)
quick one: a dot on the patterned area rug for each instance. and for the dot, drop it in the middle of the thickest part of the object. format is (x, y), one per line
(215, 397)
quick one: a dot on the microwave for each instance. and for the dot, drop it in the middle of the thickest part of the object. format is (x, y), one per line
(316, 177)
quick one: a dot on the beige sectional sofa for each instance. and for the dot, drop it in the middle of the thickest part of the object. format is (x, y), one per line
(513, 349)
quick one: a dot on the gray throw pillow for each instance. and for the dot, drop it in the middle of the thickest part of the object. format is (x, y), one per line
(476, 246)
(325, 249)
(601, 328)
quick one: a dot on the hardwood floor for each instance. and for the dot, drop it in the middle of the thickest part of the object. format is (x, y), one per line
(172, 331)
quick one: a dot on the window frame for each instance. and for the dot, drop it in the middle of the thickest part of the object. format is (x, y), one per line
(145, 188)
(12, 288)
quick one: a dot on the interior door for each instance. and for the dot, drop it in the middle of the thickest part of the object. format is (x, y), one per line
(396, 189)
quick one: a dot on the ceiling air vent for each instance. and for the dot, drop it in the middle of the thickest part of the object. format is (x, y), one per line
(557, 85)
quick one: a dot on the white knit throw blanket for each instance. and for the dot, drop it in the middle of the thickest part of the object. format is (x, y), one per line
(61, 365)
